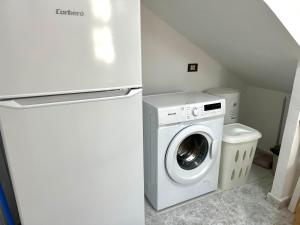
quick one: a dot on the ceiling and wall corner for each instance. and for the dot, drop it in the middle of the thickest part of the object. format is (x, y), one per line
(165, 57)
(288, 13)
(244, 36)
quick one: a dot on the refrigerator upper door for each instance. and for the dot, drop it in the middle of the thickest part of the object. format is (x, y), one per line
(55, 47)
(76, 159)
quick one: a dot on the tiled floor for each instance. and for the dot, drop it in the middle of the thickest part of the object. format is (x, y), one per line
(241, 206)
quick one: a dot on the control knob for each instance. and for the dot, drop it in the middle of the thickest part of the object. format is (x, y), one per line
(195, 111)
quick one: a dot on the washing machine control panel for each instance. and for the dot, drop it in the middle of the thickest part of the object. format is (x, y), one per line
(191, 111)
(203, 110)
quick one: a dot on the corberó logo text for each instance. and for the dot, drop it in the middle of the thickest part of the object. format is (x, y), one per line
(69, 12)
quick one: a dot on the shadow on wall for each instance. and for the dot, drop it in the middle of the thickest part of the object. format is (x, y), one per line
(262, 109)
(162, 91)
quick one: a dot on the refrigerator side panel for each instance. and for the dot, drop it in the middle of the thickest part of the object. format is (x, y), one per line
(77, 163)
(55, 47)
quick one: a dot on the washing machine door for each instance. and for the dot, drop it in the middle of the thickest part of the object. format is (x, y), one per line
(191, 154)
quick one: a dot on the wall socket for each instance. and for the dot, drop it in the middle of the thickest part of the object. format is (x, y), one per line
(192, 67)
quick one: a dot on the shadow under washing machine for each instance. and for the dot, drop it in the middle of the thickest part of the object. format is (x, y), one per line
(182, 146)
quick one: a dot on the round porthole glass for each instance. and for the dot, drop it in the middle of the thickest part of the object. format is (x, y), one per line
(192, 151)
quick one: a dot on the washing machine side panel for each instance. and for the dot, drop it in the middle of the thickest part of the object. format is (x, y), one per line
(154, 165)
(150, 152)
(147, 145)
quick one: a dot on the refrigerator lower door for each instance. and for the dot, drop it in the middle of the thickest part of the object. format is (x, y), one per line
(77, 159)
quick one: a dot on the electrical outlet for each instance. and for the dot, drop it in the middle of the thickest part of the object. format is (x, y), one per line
(192, 67)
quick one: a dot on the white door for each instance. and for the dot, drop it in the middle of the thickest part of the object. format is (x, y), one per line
(191, 154)
(76, 159)
(53, 47)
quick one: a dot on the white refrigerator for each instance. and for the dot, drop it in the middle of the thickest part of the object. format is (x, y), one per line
(71, 110)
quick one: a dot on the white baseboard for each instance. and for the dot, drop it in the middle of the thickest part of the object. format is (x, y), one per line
(278, 203)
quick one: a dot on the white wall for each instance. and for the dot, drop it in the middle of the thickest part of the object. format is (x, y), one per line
(287, 171)
(261, 109)
(165, 56)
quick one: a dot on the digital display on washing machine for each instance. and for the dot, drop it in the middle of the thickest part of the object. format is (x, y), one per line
(212, 106)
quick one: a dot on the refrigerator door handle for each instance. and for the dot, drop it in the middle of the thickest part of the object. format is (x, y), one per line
(25, 103)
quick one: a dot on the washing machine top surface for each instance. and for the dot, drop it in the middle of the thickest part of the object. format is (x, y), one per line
(185, 106)
(223, 91)
(178, 99)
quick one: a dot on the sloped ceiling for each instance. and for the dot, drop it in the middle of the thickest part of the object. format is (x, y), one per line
(243, 35)
(288, 13)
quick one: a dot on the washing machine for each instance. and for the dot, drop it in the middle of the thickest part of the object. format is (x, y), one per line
(182, 144)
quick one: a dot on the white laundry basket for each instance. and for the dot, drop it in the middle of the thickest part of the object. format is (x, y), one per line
(238, 149)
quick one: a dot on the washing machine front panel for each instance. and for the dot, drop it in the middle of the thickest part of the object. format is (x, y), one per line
(191, 154)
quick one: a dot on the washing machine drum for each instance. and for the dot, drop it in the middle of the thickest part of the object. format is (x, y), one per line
(191, 154)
